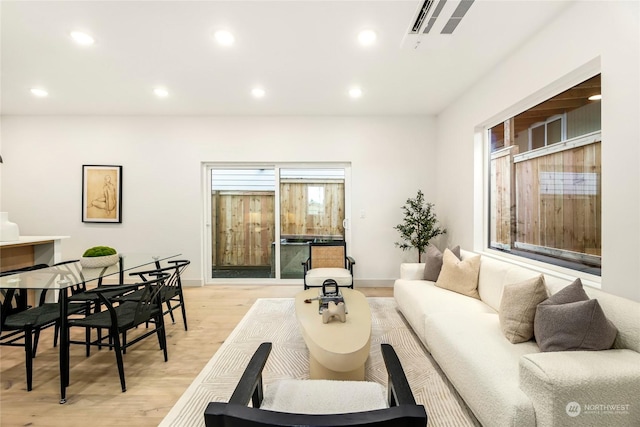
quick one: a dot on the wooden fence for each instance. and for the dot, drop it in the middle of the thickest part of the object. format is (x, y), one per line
(325, 219)
(243, 223)
(242, 228)
(557, 199)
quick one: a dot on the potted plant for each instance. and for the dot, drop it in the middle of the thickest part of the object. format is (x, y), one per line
(420, 225)
(99, 256)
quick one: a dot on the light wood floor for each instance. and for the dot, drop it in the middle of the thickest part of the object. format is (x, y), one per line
(94, 396)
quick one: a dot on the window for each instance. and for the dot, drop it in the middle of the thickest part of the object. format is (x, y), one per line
(315, 200)
(545, 181)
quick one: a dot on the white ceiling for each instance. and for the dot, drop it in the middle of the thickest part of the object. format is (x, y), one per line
(305, 55)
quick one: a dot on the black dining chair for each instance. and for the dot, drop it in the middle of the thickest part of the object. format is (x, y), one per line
(172, 295)
(20, 324)
(121, 316)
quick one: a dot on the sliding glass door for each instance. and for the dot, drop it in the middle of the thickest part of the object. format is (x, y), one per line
(260, 218)
(311, 209)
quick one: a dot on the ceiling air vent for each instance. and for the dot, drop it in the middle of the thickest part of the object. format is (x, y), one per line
(431, 19)
(422, 14)
(458, 14)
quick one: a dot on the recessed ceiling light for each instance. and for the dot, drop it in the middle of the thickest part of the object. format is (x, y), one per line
(161, 92)
(40, 93)
(355, 92)
(367, 37)
(597, 97)
(82, 38)
(223, 37)
(258, 92)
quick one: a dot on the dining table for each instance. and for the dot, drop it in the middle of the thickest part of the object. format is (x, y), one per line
(61, 279)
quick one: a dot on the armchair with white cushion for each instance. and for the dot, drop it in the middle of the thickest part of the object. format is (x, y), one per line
(318, 402)
(328, 260)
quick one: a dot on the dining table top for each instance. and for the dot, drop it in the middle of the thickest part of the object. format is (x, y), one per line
(64, 276)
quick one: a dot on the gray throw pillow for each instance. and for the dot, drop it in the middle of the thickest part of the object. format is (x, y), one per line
(433, 262)
(571, 293)
(579, 325)
(569, 320)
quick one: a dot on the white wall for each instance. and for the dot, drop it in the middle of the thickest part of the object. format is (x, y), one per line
(604, 33)
(391, 158)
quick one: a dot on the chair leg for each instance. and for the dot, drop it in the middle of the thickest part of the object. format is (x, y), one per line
(36, 339)
(118, 350)
(28, 349)
(87, 340)
(170, 309)
(162, 336)
(184, 310)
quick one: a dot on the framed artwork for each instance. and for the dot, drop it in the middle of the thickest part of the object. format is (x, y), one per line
(101, 193)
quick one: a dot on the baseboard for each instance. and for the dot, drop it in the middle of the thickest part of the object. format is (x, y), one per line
(359, 283)
(374, 283)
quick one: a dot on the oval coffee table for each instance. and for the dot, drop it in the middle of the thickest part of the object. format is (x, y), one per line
(337, 350)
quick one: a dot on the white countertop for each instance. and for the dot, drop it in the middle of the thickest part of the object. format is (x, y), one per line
(22, 240)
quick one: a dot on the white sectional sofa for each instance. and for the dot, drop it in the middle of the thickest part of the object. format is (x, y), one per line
(507, 384)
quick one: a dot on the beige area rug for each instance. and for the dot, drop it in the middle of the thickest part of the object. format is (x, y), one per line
(273, 319)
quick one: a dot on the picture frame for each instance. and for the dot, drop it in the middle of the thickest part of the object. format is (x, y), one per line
(102, 193)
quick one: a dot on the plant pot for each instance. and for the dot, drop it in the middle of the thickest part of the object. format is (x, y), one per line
(99, 261)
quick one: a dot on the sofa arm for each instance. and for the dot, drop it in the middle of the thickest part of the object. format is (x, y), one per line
(581, 388)
(412, 271)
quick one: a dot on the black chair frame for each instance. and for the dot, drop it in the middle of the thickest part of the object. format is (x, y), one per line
(20, 324)
(126, 315)
(402, 412)
(172, 291)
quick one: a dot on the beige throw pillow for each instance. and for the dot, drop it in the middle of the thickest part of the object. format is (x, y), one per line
(518, 308)
(459, 276)
(433, 262)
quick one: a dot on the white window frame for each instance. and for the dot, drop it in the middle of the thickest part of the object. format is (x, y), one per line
(482, 156)
(563, 129)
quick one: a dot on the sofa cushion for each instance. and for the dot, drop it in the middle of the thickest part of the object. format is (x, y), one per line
(317, 276)
(482, 366)
(419, 299)
(495, 275)
(579, 325)
(459, 276)
(518, 308)
(433, 262)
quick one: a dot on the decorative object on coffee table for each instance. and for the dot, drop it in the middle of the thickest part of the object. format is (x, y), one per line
(334, 311)
(420, 225)
(99, 256)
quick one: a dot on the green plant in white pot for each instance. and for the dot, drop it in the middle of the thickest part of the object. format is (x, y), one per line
(99, 256)
(420, 225)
